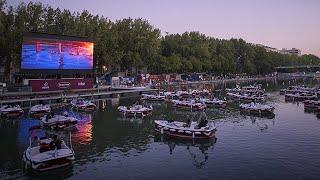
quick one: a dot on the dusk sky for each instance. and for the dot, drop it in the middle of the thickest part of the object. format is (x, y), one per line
(275, 23)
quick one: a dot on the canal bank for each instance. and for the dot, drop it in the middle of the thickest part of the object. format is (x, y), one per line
(27, 99)
(59, 97)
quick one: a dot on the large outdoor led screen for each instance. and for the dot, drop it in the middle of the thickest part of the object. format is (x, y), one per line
(56, 53)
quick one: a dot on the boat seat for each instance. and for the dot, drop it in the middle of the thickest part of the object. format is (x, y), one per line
(51, 155)
(178, 124)
(35, 150)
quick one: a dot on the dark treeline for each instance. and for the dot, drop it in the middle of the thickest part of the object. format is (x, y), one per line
(136, 44)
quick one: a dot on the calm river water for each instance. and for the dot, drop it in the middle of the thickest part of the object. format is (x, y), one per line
(108, 146)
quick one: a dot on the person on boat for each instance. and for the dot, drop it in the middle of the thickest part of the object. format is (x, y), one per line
(188, 122)
(52, 145)
(203, 123)
(252, 104)
(48, 117)
(35, 141)
(51, 114)
(55, 143)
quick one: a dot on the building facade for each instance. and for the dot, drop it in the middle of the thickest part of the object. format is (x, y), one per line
(269, 49)
(292, 51)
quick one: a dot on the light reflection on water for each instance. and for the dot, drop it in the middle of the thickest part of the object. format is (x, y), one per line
(110, 146)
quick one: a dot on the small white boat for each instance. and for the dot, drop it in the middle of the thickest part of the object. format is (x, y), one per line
(257, 108)
(245, 97)
(135, 110)
(58, 121)
(233, 90)
(188, 104)
(311, 104)
(247, 89)
(215, 102)
(41, 157)
(300, 97)
(151, 97)
(203, 92)
(11, 111)
(171, 95)
(40, 110)
(185, 94)
(182, 130)
(297, 90)
(83, 105)
(252, 88)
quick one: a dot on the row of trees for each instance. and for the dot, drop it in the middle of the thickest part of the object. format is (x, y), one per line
(135, 43)
(195, 52)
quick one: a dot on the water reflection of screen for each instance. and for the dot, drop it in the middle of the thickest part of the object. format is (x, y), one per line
(83, 135)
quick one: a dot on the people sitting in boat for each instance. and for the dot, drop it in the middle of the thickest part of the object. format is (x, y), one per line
(188, 123)
(48, 117)
(202, 123)
(35, 141)
(55, 143)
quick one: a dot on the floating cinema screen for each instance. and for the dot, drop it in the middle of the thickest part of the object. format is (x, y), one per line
(44, 53)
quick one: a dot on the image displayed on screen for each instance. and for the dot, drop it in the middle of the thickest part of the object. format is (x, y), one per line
(40, 53)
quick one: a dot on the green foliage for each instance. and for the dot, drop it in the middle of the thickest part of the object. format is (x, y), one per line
(135, 43)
